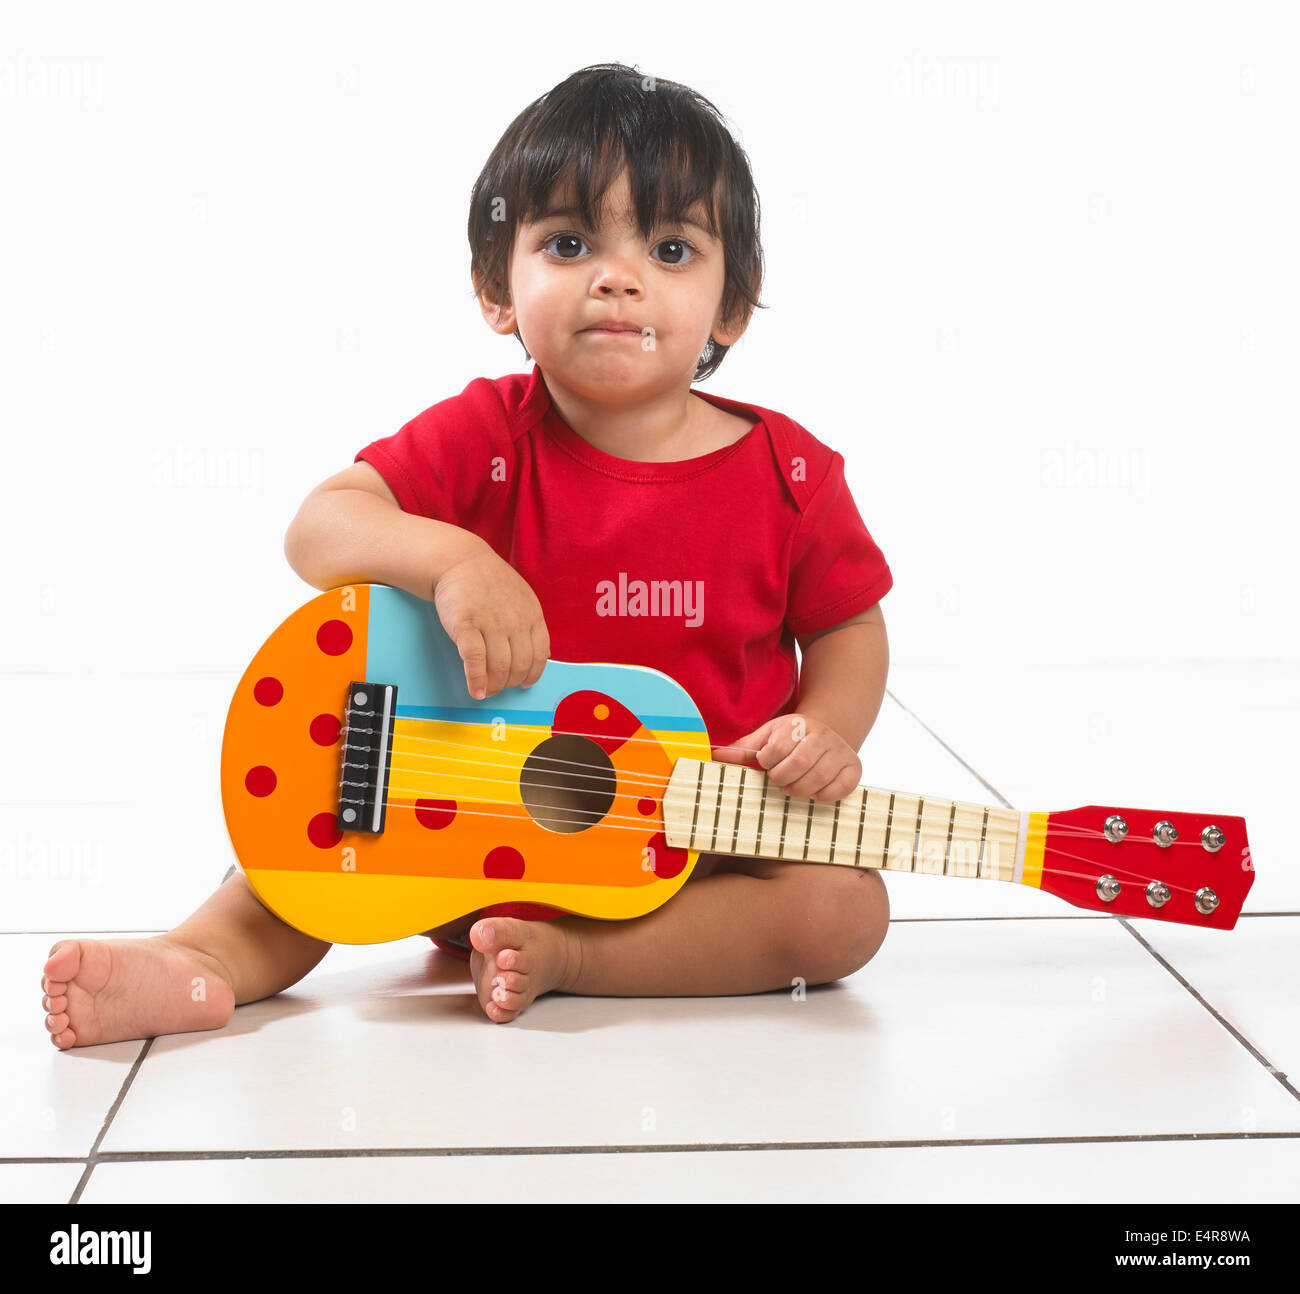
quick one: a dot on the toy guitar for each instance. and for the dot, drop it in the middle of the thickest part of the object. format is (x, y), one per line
(369, 797)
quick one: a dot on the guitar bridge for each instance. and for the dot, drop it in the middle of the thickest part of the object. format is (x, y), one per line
(368, 724)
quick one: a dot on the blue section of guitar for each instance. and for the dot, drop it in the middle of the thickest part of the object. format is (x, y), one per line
(407, 645)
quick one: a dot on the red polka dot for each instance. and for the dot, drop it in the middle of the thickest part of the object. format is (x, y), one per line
(268, 691)
(325, 729)
(260, 780)
(668, 862)
(647, 806)
(334, 637)
(435, 814)
(323, 831)
(504, 864)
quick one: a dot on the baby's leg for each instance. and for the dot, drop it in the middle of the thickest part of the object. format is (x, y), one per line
(232, 950)
(742, 926)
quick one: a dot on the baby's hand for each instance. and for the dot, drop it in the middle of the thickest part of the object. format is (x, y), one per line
(803, 756)
(496, 622)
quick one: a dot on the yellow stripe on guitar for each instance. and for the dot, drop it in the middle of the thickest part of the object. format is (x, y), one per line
(1035, 841)
(439, 760)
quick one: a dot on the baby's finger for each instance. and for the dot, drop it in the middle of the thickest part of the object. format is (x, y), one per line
(541, 652)
(789, 772)
(473, 651)
(521, 657)
(498, 661)
(784, 738)
(814, 783)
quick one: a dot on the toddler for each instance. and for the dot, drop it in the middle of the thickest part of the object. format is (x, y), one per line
(615, 232)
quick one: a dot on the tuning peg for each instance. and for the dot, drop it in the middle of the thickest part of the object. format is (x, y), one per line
(1157, 894)
(1165, 833)
(1213, 839)
(1206, 900)
(1116, 828)
(1108, 889)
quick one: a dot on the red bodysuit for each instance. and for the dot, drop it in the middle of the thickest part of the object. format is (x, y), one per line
(704, 568)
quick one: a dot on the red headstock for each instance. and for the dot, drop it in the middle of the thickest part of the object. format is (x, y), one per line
(1140, 850)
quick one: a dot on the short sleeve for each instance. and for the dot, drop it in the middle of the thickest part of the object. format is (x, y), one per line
(442, 462)
(836, 569)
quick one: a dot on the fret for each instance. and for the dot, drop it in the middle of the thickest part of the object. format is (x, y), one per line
(774, 808)
(934, 838)
(785, 817)
(740, 795)
(929, 853)
(842, 850)
(965, 848)
(903, 854)
(817, 848)
(797, 824)
(712, 783)
(746, 813)
(695, 814)
(889, 827)
(762, 809)
(710, 806)
(727, 808)
(733, 844)
(717, 806)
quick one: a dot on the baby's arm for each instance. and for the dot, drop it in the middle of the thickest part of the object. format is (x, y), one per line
(351, 530)
(842, 677)
(813, 751)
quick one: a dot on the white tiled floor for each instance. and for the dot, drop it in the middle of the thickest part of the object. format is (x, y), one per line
(1002, 1046)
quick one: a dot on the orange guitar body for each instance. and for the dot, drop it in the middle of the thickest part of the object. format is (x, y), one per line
(477, 798)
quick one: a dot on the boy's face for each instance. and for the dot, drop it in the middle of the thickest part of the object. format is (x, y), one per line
(565, 279)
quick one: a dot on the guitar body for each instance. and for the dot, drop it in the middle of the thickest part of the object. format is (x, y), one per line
(550, 794)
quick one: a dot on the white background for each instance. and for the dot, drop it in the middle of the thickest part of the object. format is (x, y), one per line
(1032, 269)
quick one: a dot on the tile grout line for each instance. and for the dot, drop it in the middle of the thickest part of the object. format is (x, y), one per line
(1236, 1033)
(92, 1159)
(440, 1152)
(988, 786)
(1268, 1065)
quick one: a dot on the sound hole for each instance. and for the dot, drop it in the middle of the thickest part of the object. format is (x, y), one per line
(568, 783)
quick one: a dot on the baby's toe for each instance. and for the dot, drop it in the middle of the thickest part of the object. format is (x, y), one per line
(63, 959)
(508, 990)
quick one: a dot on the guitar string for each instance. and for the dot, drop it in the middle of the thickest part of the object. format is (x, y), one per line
(1135, 878)
(875, 816)
(657, 780)
(603, 774)
(1085, 833)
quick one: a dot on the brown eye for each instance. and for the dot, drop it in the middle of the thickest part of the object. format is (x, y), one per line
(680, 251)
(563, 239)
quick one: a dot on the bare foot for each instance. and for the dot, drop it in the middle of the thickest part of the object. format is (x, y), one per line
(515, 961)
(108, 990)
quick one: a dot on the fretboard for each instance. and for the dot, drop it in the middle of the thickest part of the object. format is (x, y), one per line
(723, 808)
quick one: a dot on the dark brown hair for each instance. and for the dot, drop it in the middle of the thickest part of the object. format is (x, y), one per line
(676, 148)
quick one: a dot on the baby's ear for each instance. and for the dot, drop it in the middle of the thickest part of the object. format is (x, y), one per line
(494, 302)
